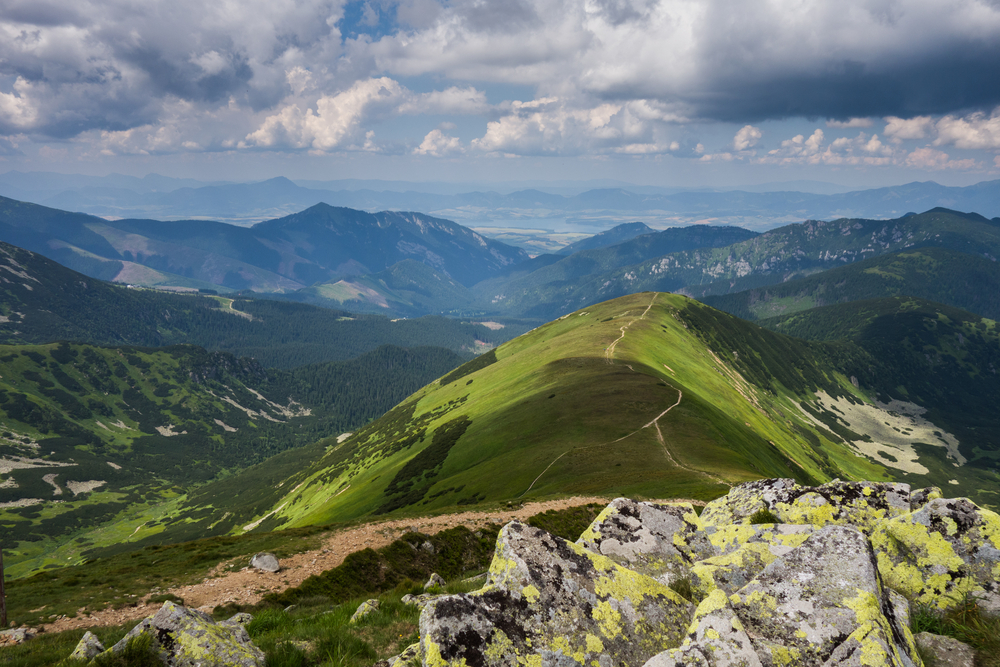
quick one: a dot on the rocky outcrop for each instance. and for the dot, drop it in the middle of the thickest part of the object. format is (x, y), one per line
(89, 647)
(548, 600)
(826, 585)
(183, 637)
(265, 561)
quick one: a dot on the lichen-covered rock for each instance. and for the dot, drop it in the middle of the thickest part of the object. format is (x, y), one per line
(860, 504)
(921, 497)
(419, 600)
(947, 652)
(863, 505)
(660, 541)
(409, 654)
(547, 602)
(185, 637)
(743, 501)
(715, 638)
(823, 603)
(265, 561)
(15, 636)
(434, 581)
(89, 647)
(364, 609)
(941, 553)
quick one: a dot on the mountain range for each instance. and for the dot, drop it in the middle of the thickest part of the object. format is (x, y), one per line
(758, 208)
(871, 370)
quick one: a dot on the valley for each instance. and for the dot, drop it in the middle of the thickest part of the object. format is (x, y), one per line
(221, 419)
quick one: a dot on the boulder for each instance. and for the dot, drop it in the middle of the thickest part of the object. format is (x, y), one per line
(409, 654)
(659, 541)
(823, 604)
(419, 600)
(265, 561)
(942, 553)
(715, 638)
(860, 504)
(743, 501)
(185, 637)
(947, 652)
(364, 609)
(435, 581)
(89, 647)
(549, 601)
(15, 636)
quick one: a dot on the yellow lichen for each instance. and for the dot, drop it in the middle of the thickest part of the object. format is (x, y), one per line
(594, 645)
(530, 593)
(609, 619)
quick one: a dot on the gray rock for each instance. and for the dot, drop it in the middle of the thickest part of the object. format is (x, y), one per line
(823, 604)
(435, 581)
(860, 504)
(660, 541)
(15, 636)
(947, 652)
(409, 654)
(716, 638)
(743, 501)
(89, 647)
(241, 619)
(364, 609)
(943, 552)
(265, 561)
(419, 600)
(551, 600)
(921, 497)
(427, 546)
(185, 637)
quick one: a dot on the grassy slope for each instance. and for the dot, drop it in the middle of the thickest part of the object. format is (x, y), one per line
(552, 416)
(955, 278)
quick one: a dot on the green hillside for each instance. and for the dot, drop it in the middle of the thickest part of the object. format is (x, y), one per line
(959, 279)
(98, 443)
(773, 257)
(43, 302)
(408, 289)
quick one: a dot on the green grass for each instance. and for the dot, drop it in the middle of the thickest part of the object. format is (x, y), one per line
(967, 624)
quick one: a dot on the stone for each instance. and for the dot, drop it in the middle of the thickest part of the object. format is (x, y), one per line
(659, 541)
(240, 618)
(716, 638)
(185, 637)
(266, 562)
(823, 603)
(364, 609)
(921, 497)
(944, 552)
(89, 647)
(947, 652)
(548, 601)
(419, 600)
(743, 501)
(435, 581)
(15, 636)
(860, 504)
(410, 654)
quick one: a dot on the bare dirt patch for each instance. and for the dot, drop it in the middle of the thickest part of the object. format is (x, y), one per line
(249, 586)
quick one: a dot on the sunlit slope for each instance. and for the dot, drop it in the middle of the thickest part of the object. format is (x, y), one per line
(624, 397)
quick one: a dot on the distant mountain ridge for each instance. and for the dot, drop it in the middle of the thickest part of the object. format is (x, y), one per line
(755, 207)
(315, 245)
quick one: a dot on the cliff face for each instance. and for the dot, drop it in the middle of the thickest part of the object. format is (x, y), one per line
(771, 574)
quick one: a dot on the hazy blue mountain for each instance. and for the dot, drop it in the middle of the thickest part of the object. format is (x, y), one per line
(319, 244)
(613, 236)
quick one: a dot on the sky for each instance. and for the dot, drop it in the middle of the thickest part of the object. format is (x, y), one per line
(655, 92)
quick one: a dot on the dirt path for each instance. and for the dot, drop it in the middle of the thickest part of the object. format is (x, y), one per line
(248, 586)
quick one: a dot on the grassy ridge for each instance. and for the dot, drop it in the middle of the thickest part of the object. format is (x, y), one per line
(555, 416)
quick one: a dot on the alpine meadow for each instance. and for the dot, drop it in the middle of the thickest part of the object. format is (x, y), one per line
(533, 333)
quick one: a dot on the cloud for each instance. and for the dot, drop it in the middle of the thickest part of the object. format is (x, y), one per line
(335, 121)
(439, 144)
(974, 132)
(747, 137)
(899, 129)
(928, 158)
(850, 123)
